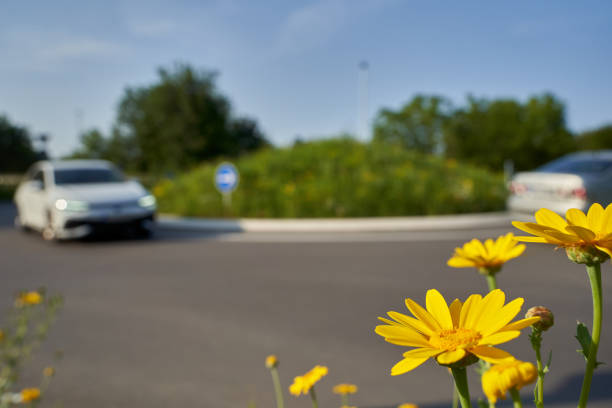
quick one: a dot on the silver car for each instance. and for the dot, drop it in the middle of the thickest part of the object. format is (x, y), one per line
(573, 181)
(69, 199)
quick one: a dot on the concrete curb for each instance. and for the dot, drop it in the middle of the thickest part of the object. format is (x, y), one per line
(379, 224)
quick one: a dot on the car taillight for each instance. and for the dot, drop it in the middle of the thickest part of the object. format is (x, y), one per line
(580, 192)
(517, 188)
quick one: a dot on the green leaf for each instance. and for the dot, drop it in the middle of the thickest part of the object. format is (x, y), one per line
(584, 338)
(547, 366)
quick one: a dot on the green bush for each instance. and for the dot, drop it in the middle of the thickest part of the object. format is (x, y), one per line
(337, 178)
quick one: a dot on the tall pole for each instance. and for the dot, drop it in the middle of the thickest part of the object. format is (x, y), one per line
(363, 130)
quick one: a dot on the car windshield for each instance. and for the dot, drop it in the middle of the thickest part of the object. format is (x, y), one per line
(87, 176)
(581, 166)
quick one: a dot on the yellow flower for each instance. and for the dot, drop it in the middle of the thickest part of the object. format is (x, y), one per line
(406, 405)
(271, 361)
(302, 384)
(345, 389)
(452, 333)
(28, 298)
(501, 378)
(487, 257)
(49, 372)
(584, 233)
(30, 394)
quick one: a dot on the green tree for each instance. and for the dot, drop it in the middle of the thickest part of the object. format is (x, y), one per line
(488, 132)
(16, 152)
(181, 121)
(93, 146)
(418, 125)
(596, 139)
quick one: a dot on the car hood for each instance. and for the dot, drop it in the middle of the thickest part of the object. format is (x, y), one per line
(101, 192)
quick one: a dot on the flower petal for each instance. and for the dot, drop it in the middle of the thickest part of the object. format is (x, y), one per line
(469, 307)
(503, 317)
(576, 217)
(490, 306)
(584, 233)
(421, 352)
(531, 239)
(449, 357)
(537, 230)
(404, 320)
(455, 311)
(490, 354)
(544, 216)
(436, 305)
(500, 337)
(605, 249)
(459, 262)
(401, 334)
(407, 364)
(422, 314)
(594, 217)
(606, 221)
(520, 324)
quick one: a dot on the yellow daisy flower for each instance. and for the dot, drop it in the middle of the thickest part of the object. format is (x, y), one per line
(28, 299)
(302, 384)
(580, 234)
(501, 378)
(489, 256)
(271, 361)
(452, 333)
(407, 405)
(29, 394)
(345, 389)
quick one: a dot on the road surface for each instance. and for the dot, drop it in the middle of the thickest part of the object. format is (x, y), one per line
(187, 319)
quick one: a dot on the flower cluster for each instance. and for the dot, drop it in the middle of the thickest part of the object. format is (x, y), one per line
(501, 378)
(302, 384)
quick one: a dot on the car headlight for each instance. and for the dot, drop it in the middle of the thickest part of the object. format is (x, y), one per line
(147, 201)
(71, 205)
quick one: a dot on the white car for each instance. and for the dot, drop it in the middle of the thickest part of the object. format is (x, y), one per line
(70, 198)
(576, 180)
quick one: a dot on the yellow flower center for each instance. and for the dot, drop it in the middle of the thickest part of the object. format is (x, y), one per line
(452, 339)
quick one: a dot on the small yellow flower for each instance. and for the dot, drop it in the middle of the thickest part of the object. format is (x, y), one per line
(271, 361)
(30, 394)
(302, 384)
(588, 235)
(487, 257)
(406, 405)
(28, 299)
(345, 389)
(501, 378)
(348, 406)
(49, 372)
(456, 332)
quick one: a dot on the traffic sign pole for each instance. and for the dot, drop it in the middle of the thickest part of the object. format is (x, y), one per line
(226, 181)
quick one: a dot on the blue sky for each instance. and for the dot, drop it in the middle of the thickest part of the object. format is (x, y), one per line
(293, 65)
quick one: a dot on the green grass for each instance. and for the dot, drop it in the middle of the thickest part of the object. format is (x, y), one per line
(337, 178)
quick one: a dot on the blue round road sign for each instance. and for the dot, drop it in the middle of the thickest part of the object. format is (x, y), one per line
(226, 178)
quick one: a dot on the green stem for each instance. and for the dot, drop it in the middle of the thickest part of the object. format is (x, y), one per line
(344, 398)
(277, 388)
(492, 282)
(540, 384)
(516, 397)
(461, 384)
(313, 397)
(594, 272)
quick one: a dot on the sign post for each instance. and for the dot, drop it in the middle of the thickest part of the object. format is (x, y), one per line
(226, 181)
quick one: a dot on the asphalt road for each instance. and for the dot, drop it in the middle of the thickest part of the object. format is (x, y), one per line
(187, 319)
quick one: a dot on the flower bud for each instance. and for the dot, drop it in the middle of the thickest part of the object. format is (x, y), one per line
(588, 255)
(271, 361)
(49, 372)
(547, 319)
